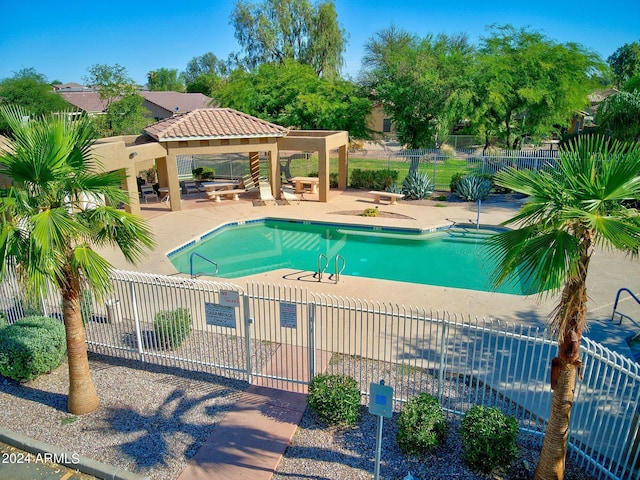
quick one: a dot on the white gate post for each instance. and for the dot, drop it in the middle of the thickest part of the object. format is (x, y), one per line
(248, 321)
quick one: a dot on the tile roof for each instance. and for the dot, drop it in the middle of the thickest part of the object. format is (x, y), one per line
(177, 102)
(213, 123)
(89, 102)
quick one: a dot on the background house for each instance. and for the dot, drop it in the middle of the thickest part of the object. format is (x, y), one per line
(161, 104)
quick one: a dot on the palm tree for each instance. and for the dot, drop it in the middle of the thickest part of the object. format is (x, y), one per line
(49, 231)
(571, 211)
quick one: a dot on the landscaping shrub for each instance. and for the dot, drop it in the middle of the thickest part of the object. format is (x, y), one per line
(31, 347)
(373, 179)
(171, 327)
(370, 212)
(489, 439)
(335, 399)
(455, 180)
(417, 186)
(203, 173)
(3, 320)
(421, 425)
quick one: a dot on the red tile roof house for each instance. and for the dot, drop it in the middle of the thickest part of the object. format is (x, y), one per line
(161, 105)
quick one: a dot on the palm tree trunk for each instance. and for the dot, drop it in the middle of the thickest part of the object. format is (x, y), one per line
(552, 456)
(83, 397)
(570, 319)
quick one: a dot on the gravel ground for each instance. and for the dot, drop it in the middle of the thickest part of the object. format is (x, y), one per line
(349, 454)
(153, 419)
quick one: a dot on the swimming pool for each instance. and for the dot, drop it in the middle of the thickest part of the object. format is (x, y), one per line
(449, 257)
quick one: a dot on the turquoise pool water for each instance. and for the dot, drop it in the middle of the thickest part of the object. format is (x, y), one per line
(453, 257)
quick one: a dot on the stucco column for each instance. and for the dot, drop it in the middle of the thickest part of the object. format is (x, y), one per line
(130, 184)
(274, 172)
(168, 177)
(343, 167)
(323, 174)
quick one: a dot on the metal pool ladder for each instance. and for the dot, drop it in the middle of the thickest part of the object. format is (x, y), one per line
(323, 264)
(196, 254)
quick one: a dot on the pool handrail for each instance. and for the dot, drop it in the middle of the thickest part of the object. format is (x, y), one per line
(320, 270)
(622, 315)
(196, 254)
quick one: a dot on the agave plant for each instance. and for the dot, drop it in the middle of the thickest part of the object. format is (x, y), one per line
(417, 185)
(474, 189)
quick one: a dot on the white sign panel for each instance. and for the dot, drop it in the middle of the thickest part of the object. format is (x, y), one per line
(220, 315)
(288, 315)
(229, 298)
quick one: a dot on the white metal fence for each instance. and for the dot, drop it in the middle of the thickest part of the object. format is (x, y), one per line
(282, 336)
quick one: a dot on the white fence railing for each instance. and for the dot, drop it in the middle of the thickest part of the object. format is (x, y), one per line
(282, 336)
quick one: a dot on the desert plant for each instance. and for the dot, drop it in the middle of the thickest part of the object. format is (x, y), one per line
(335, 399)
(474, 189)
(489, 439)
(370, 212)
(421, 425)
(31, 347)
(417, 186)
(172, 327)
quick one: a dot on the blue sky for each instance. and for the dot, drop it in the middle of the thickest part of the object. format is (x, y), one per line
(61, 40)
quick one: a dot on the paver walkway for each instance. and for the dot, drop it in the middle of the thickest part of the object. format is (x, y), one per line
(252, 437)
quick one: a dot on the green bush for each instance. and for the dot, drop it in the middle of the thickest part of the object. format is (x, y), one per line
(3, 320)
(370, 212)
(203, 173)
(417, 186)
(170, 328)
(31, 347)
(335, 399)
(373, 179)
(421, 425)
(489, 439)
(455, 180)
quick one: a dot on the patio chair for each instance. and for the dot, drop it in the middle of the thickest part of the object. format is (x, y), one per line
(265, 193)
(147, 191)
(289, 195)
(191, 187)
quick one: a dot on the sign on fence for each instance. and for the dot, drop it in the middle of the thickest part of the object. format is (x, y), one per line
(220, 315)
(288, 315)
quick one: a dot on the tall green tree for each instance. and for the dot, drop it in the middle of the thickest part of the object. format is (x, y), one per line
(50, 232)
(165, 80)
(527, 85)
(125, 116)
(279, 30)
(570, 213)
(619, 115)
(290, 94)
(205, 74)
(625, 62)
(415, 79)
(124, 113)
(112, 82)
(30, 90)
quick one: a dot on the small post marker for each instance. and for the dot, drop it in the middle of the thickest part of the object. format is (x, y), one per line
(381, 405)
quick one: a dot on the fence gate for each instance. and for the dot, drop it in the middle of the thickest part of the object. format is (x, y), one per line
(282, 324)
